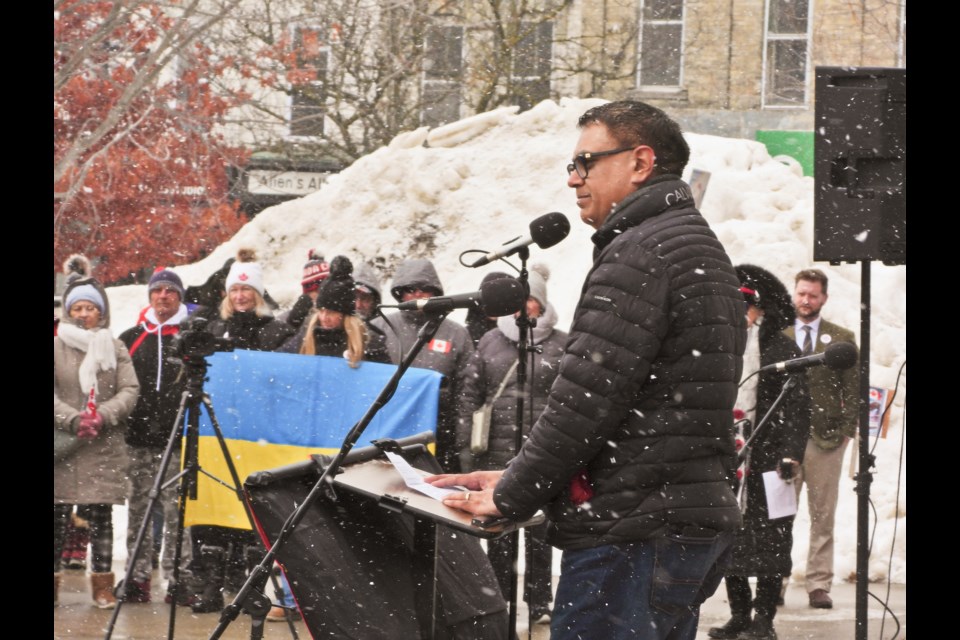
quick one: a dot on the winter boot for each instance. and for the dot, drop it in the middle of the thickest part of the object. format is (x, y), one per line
(210, 573)
(138, 591)
(738, 595)
(69, 546)
(101, 584)
(760, 629)
(56, 588)
(279, 613)
(187, 594)
(732, 629)
(75, 547)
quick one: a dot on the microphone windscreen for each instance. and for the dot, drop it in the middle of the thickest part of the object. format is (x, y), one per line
(502, 297)
(841, 355)
(549, 229)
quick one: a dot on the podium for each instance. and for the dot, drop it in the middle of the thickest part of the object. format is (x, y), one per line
(383, 561)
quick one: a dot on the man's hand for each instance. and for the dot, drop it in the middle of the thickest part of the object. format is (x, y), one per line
(478, 500)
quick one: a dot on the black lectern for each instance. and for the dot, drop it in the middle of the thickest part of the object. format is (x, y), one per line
(383, 561)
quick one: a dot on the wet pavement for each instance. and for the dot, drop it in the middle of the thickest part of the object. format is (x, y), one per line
(76, 618)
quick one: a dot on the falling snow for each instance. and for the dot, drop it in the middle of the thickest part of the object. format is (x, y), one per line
(511, 169)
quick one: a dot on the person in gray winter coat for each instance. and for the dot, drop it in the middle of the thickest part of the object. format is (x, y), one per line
(368, 294)
(95, 389)
(447, 353)
(494, 364)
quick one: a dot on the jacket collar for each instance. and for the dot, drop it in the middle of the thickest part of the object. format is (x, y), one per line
(654, 197)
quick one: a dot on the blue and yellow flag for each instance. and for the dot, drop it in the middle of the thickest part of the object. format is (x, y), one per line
(275, 409)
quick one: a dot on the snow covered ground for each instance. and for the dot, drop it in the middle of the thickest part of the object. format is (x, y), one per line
(477, 183)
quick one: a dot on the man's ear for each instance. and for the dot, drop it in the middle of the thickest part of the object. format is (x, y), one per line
(644, 159)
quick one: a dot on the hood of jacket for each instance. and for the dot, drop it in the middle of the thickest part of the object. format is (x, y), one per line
(364, 274)
(416, 272)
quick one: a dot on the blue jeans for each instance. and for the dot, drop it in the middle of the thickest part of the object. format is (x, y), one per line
(286, 598)
(650, 589)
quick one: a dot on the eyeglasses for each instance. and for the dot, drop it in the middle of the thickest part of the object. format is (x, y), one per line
(581, 160)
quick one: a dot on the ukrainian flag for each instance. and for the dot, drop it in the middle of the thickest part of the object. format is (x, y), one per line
(275, 409)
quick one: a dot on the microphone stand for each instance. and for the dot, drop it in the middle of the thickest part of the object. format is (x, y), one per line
(788, 385)
(513, 538)
(260, 573)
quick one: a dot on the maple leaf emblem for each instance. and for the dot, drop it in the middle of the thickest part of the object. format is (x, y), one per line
(243, 277)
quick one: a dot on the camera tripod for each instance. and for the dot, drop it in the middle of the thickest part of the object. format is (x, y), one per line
(195, 368)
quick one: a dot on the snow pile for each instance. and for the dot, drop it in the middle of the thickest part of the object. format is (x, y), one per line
(477, 183)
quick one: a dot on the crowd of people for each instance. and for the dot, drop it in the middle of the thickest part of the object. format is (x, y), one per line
(630, 424)
(333, 317)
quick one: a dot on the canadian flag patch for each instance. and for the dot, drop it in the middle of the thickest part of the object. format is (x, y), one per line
(440, 346)
(243, 277)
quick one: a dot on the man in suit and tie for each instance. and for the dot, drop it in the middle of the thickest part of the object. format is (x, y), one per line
(833, 422)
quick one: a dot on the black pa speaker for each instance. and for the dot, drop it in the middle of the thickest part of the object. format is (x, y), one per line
(860, 162)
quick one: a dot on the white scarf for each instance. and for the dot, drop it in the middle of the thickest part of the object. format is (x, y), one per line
(545, 324)
(97, 344)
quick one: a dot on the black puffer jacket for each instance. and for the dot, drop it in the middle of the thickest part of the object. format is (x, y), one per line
(161, 380)
(333, 342)
(252, 332)
(488, 367)
(647, 384)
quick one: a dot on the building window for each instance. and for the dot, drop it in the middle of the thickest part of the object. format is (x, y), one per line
(532, 61)
(442, 65)
(307, 93)
(786, 53)
(661, 45)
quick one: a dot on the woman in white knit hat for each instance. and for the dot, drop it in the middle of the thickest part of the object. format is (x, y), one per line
(246, 319)
(245, 316)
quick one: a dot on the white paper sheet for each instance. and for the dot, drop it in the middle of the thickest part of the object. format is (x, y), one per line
(781, 496)
(414, 479)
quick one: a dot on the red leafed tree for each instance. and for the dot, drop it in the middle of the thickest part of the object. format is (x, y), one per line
(139, 171)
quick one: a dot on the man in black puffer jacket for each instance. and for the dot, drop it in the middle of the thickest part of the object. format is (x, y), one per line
(630, 456)
(162, 382)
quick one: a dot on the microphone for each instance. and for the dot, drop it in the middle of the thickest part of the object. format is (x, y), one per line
(500, 297)
(841, 355)
(545, 231)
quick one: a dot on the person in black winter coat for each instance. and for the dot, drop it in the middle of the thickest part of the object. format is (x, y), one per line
(245, 316)
(315, 271)
(204, 300)
(493, 365)
(246, 319)
(630, 457)
(162, 382)
(335, 329)
(762, 547)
